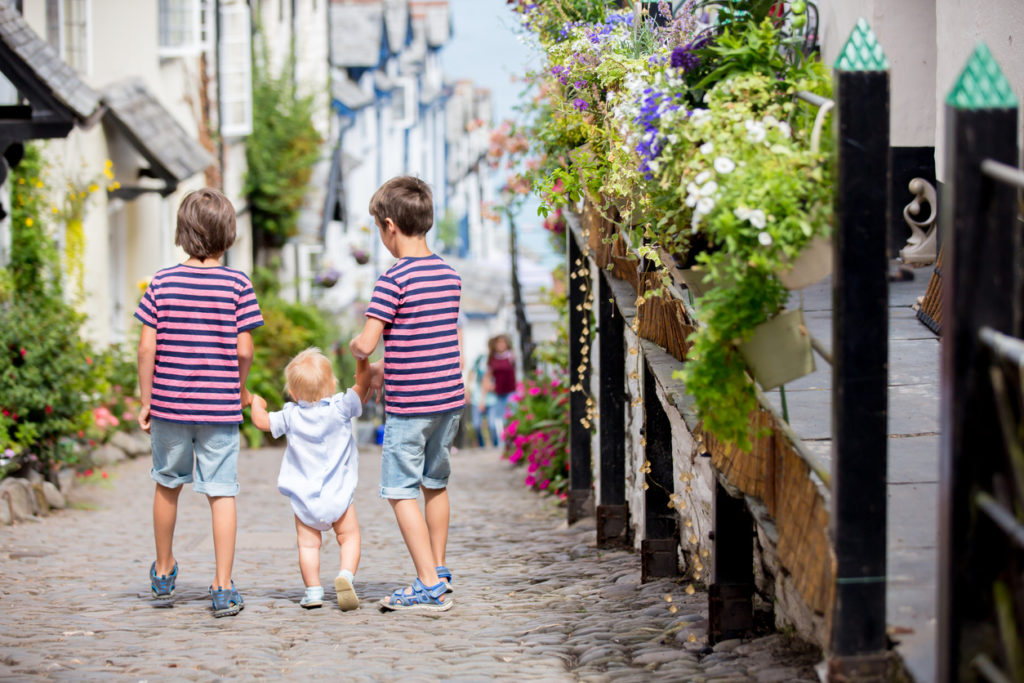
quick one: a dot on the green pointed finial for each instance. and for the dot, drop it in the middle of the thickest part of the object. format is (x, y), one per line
(862, 51)
(981, 84)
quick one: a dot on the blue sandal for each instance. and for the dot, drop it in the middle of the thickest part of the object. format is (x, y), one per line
(445, 575)
(226, 602)
(162, 586)
(422, 598)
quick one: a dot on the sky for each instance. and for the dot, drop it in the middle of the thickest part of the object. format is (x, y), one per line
(485, 48)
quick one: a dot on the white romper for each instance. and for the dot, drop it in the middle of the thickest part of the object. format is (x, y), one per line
(320, 467)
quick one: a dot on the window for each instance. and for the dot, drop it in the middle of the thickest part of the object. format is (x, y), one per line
(235, 70)
(180, 27)
(67, 31)
(403, 103)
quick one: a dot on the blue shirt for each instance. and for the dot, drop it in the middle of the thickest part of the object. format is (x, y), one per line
(320, 467)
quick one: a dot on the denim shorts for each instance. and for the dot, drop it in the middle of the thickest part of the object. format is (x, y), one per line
(416, 450)
(211, 449)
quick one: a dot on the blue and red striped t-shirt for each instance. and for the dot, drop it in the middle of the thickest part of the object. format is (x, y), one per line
(198, 314)
(417, 299)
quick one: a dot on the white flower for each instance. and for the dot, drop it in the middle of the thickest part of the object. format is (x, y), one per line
(708, 188)
(673, 138)
(756, 131)
(691, 200)
(771, 120)
(695, 223)
(724, 165)
(764, 238)
(702, 177)
(758, 220)
(785, 129)
(654, 165)
(707, 148)
(704, 206)
(700, 117)
(743, 213)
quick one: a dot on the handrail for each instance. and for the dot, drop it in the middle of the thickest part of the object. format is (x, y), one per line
(1005, 173)
(1002, 517)
(824, 105)
(1003, 345)
(819, 348)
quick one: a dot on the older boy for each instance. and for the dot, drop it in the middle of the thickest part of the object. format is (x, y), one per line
(415, 307)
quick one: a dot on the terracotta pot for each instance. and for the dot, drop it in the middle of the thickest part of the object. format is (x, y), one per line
(811, 265)
(779, 350)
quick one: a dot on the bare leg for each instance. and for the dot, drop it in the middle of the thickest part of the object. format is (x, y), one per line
(438, 514)
(417, 538)
(309, 553)
(225, 523)
(165, 516)
(347, 531)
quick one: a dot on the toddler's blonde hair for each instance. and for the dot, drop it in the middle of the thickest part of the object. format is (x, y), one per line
(309, 376)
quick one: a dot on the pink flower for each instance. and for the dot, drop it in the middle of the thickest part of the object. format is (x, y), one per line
(520, 440)
(530, 480)
(532, 467)
(544, 484)
(534, 391)
(554, 384)
(516, 456)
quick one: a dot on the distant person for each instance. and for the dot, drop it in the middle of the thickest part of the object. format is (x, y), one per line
(415, 307)
(194, 357)
(500, 379)
(483, 400)
(320, 467)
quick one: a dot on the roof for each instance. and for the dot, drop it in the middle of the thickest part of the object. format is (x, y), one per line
(357, 32)
(347, 92)
(436, 15)
(32, 57)
(154, 132)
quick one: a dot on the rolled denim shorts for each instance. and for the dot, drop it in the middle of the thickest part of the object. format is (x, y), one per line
(210, 449)
(416, 453)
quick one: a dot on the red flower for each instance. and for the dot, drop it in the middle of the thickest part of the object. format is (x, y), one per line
(88, 360)
(49, 409)
(22, 352)
(88, 473)
(104, 475)
(6, 412)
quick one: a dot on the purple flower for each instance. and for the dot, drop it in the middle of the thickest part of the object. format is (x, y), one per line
(685, 57)
(580, 84)
(580, 104)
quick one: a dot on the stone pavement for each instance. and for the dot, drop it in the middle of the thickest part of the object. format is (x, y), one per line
(534, 599)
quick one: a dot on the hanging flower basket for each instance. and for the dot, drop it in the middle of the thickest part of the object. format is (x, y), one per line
(779, 350)
(811, 265)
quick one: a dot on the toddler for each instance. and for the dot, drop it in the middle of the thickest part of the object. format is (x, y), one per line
(320, 466)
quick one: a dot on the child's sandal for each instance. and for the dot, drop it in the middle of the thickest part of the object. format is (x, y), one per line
(227, 602)
(445, 575)
(421, 598)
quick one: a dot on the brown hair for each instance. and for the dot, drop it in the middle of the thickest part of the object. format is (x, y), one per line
(206, 224)
(407, 201)
(309, 376)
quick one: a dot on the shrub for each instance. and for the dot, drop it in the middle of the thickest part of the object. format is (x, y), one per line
(537, 432)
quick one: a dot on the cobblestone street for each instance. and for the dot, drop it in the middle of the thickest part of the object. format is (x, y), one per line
(534, 599)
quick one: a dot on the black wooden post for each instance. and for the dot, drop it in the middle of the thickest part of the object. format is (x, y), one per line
(612, 514)
(731, 594)
(580, 476)
(661, 528)
(860, 334)
(980, 288)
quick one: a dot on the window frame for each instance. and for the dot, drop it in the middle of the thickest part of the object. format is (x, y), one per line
(225, 76)
(186, 49)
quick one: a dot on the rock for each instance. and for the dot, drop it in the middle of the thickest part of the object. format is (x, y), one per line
(581, 550)
(106, 455)
(22, 500)
(54, 498)
(42, 506)
(777, 675)
(34, 477)
(728, 645)
(65, 480)
(133, 445)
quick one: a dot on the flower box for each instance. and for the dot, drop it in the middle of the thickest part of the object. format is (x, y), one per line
(779, 351)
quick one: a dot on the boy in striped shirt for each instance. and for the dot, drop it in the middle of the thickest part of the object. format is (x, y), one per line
(415, 307)
(194, 356)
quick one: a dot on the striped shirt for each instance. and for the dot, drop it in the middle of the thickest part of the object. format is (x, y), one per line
(198, 314)
(417, 299)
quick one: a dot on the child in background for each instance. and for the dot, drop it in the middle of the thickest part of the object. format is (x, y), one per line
(194, 356)
(320, 468)
(415, 307)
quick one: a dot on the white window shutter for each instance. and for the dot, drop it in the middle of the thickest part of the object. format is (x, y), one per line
(235, 70)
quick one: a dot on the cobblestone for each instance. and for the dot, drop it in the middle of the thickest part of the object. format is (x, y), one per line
(534, 599)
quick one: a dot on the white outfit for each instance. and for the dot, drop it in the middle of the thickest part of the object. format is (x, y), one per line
(320, 467)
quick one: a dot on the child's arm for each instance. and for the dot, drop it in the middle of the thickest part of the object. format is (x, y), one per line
(260, 417)
(366, 342)
(363, 377)
(147, 360)
(246, 351)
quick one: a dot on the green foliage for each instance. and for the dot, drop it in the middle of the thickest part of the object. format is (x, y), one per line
(47, 376)
(281, 150)
(448, 232)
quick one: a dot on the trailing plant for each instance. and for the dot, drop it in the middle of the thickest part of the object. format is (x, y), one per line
(281, 150)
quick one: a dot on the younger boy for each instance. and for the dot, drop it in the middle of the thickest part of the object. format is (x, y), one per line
(194, 356)
(415, 307)
(320, 468)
